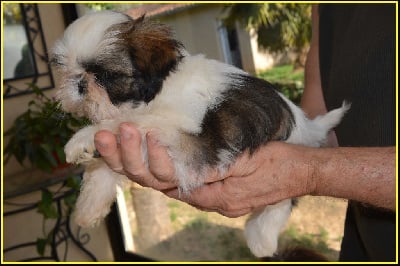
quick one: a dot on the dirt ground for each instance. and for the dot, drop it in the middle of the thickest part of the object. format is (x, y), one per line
(193, 235)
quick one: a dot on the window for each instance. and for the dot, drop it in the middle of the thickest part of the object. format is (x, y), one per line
(230, 45)
(25, 52)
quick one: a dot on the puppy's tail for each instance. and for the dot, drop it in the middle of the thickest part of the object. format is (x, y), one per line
(314, 132)
(332, 118)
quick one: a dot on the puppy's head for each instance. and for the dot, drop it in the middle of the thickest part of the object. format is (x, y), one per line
(107, 59)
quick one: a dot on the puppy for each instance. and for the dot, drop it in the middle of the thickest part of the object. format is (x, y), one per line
(117, 69)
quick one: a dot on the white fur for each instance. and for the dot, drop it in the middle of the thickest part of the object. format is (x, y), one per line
(98, 192)
(85, 37)
(262, 230)
(194, 87)
(185, 86)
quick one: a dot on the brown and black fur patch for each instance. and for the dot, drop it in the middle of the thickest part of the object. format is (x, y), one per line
(153, 51)
(251, 114)
(144, 54)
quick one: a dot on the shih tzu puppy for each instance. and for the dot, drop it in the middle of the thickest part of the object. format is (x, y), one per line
(117, 69)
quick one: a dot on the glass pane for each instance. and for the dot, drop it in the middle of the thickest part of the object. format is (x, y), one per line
(165, 229)
(17, 52)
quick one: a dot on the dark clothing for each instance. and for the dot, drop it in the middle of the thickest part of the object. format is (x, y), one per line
(357, 64)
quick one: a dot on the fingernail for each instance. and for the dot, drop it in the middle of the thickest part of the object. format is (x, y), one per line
(151, 138)
(100, 144)
(125, 134)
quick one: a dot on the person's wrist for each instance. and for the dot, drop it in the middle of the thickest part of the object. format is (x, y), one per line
(307, 171)
(301, 167)
(315, 163)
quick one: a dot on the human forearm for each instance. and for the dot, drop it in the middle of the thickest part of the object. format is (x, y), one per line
(362, 174)
(312, 101)
(275, 172)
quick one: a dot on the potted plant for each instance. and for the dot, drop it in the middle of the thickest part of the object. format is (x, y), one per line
(40, 133)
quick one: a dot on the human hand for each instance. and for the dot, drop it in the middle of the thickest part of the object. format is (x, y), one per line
(125, 157)
(275, 172)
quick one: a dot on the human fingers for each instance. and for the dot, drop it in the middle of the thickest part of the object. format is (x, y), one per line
(160, 164)
(106, 144)
(242, 166)
(211, 198)
(133, 159)
(131, 155)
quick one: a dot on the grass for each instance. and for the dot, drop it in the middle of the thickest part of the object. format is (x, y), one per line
(207, 236)
(282, 74)
(313, 241)
(315, 223)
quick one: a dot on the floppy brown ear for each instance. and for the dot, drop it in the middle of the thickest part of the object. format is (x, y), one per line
(154, 50)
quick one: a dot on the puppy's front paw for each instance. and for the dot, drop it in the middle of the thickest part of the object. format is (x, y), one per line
(80, 148)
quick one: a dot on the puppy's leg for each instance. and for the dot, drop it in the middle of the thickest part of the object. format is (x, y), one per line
(80, 148)
(98, 192)
(262, 229)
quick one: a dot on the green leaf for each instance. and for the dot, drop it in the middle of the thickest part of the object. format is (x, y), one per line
(48, 211)
(70, 200)
(47, 196)
(48, 153)
(41, 245)
(46, 206)
(74, 182)
(60, 154)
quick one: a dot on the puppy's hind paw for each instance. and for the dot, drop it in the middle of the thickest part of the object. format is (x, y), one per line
(261, 246)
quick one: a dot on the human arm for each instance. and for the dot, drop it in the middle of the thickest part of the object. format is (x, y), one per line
(275, 172)
(280, 171)
(312, 101)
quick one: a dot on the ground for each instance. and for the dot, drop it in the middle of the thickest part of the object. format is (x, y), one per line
(193, 235)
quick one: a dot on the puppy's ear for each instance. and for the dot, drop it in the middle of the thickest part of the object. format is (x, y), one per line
(153, 50)
(152, 44)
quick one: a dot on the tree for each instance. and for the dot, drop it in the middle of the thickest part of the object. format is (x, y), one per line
(280, 27)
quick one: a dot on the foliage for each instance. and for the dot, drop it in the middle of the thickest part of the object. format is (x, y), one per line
(287, 80)
(11, 13)
(100, 6)
(279, 26)
(40, 133)
(315, 241)
(46, 207)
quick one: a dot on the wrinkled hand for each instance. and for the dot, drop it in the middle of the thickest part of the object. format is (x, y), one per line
(273, 173)
(126, 157)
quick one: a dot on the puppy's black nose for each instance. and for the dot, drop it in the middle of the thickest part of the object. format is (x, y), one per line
(82, 86)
